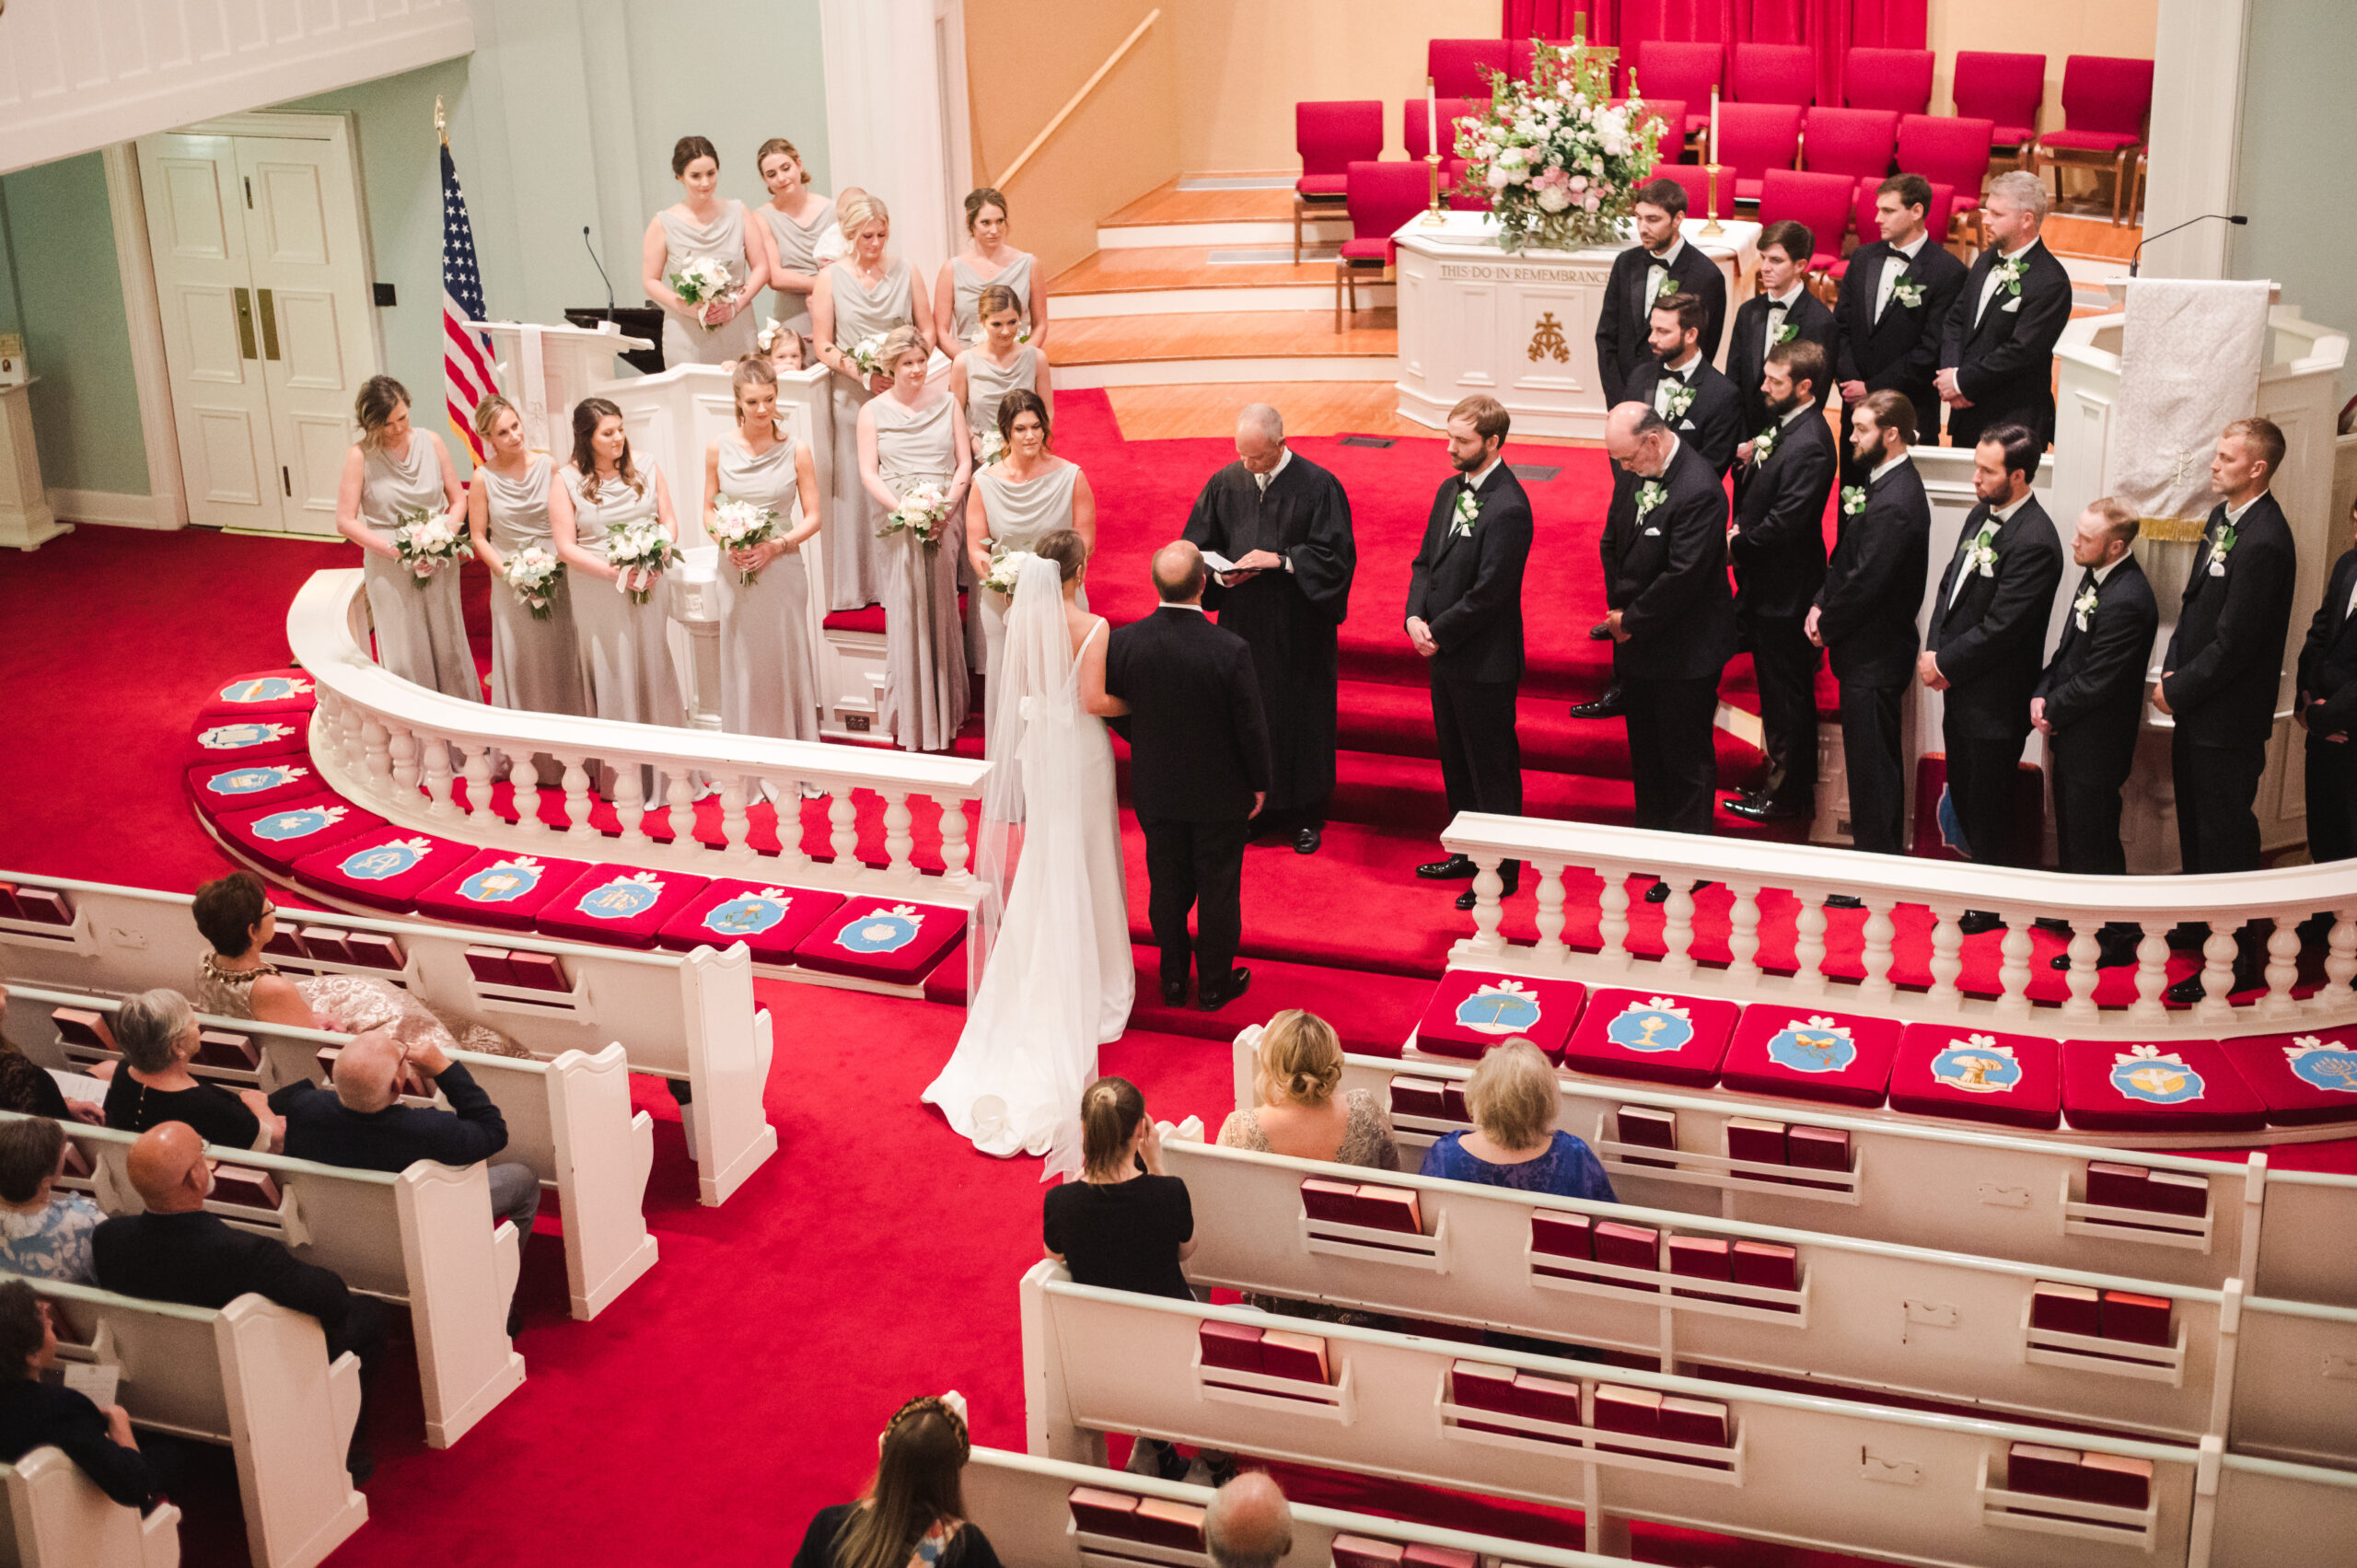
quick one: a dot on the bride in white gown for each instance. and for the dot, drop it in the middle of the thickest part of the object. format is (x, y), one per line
(1058, 979)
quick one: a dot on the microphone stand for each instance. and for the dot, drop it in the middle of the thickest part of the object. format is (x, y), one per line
(2136, 259)
(610, 282)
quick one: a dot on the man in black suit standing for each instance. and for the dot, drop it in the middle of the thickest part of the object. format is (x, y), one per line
(1199, 769)
(1673, 620)
(1988, 644)
(1695, 401)
(2090, 703)
(1778, 545)
(1465, 618)
(1661, 262)
(2219, 675)
(1893, 308)
(2328, 711)
(1997, 357)
(1783, 312)
(1865, 614)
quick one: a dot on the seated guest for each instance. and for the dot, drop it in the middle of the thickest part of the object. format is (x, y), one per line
(1513, 1097)
(159, 1035)
(35, 1415)
(1299, 1063)
(178, 1252)
(1248, 1524)
(914, 1513)
(44, 1232)
(360, 1124)
(27, 1087)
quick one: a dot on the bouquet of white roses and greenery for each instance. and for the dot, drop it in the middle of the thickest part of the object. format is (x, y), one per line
(701, 284)
(741, 525)
(1558, 162)
(640, 552)
(868, 355)
(1006, 570)
(920, 514)
(533, 574)
(989, 448)
(427, 543)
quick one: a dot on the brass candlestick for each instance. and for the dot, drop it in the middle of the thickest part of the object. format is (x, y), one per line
(1435, 217)
(1711, 230)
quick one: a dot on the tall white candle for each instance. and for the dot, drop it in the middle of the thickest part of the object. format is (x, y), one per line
(1715, 125)
(1431, 121)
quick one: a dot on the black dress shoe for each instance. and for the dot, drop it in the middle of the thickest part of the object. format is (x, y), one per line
(1174, 993)
(1211, 1000)
(1754, 810)
(1976, 922)
(2110, 956)
(1306, 840)
(1610, 706)
(1844, 901)
(2189, 990)
(1449, 870)
(1659, 892)
(2049, 924)
(1600, 632)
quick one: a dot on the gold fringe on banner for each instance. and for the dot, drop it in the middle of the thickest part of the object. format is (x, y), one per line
(2174, 530)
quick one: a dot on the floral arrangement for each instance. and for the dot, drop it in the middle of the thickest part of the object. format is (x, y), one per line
(427, 543)
(1853, 500)
(532, 575)
(640, 550)
(989, 448)
(1006, 570)
(2083, 608)
(1556, 161)
(1981, 552)
(868, 355)
(920, 514)
(741, 525)
(703, 283)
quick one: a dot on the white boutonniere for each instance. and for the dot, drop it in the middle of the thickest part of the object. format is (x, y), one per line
(1680, 401)
(1650, 494)
(2009, 274)
(2221, 548)
(1853, 500)
(1763, 445)
(1655, 279)
(1908, 292)
(1980, 555)
(2083, 608)
(1785, 332)
(1468, 512)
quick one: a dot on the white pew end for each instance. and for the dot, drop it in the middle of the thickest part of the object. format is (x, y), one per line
(57, 1518)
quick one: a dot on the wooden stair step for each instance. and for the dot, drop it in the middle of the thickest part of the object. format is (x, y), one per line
(1264, 335)
(1184, 266)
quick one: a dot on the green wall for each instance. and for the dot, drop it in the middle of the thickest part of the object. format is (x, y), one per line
(2297, 109)
(64, 292)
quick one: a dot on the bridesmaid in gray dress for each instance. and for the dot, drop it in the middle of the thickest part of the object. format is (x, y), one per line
(535, 664)
(868, 294)
(984, 374)
(915, 435)
(698, 227)
(988, 258)
(768, 683)
(1017, 502)
(792, 221)
(393, 469)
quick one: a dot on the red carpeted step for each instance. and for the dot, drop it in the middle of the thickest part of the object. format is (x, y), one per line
(1399, 720)
(1404, 794)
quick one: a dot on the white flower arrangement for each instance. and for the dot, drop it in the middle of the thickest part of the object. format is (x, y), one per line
(2220, 548)
(868, 355)
(1853, 500)
(1680, 401)
(427, 543)
(1006, 570)
(1785, 332)
(989, 448)
(2009, 273)
(1556, 161)
(2083, 608)
(1763, 445)
(1980, 554)
(1908, 292)
(533, 574)
(1650, 494)
(640, 552)
(1468, 512)
(920, 514)
(701, 284)
(741, 525)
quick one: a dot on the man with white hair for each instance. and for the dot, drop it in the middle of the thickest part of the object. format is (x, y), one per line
(1285, 525)
(1997, 361)
(1248, 1524)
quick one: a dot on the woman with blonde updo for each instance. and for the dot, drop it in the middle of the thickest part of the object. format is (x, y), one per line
(988, 258)
(535, 662)
(1298, 1066)
(391, 472)
(702, 225)
(910, 437)
(768, 683)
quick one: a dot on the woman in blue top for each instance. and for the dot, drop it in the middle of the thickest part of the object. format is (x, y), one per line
(1513, 1097)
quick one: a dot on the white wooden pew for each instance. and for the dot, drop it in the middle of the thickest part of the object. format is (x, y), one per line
(253, 1376)
(2273, 1515)
(688, 1016)
(57, 1518)
(423, 1238)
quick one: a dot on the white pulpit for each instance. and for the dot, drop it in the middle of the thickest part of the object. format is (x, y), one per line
(545, 371)
(26, 520)
(1521, 328)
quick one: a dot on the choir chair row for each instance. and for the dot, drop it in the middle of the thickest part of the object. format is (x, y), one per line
(688, 1017)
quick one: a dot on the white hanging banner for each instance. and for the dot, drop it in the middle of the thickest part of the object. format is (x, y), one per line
(2190, 354)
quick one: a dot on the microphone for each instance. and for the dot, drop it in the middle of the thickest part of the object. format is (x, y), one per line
(2136, 259)
(610, 282)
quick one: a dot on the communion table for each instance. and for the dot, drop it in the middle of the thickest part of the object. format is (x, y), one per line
(1521, 328)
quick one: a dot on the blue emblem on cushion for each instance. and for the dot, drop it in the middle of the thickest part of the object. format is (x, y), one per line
(748, 915)
(2146, 1073)
(622, 897)
(238, 737)
(298, 824)
(1977, 1065)
(499, 884)
(254, 781)
(385, 861)
(264, 689)
(880, 931)
(1819, 1046)
(1504, 1008)
(1658, 1026)
(2323, 1064)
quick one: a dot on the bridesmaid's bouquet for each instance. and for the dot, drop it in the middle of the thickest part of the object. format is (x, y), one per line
(989, 448)
(920, 514)
(426, 544)
(703, 283)
(868, 355)
(1006, 570)
(533, 574)
(741, 525)
(641, 551)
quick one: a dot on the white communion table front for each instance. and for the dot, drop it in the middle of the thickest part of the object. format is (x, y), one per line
(1521, 328)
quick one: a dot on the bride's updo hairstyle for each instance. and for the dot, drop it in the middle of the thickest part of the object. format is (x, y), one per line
(1300, 1059)
(380, 398)
(751, 371)
(1066, 549)
(1022, 400)
(1111, 1110)
(227, 911)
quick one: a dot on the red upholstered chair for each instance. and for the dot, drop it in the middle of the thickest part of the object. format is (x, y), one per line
(1948, 151)
(1672, 128)
(1897, 79)
(1382, 196)
(1449, 110)
(1820, 201)
(2104, 102)
(2005, 91)
(1856, 141)
(1869, 229)
(1697, 181)
(1452, 180)
(1774, 73)
(1460, 68)
(1688, 71)
(1329, 136)
(1755, 138)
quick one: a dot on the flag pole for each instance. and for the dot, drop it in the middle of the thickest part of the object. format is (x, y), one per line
(441, 123)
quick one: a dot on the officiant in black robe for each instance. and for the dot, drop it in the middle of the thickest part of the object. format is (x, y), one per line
(1286, 525)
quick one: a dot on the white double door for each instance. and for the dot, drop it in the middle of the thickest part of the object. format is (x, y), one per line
(263, 283)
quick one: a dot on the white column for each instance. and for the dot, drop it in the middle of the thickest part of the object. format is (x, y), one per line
(887, 123)
(2197, 99)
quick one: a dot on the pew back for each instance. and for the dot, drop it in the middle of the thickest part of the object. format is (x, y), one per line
(57, 1518)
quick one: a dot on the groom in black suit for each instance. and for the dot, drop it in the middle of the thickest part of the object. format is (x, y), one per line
(1199, 769)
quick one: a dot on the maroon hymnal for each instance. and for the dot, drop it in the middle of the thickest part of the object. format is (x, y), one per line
(1633, 1410)
(492, 966)
(539, 971)
(1818, 1148)
(1627, 1246)
(2116, 1480)
(1453, 1107)
(2139, 1319)
(219, 1048)
(244, 1186)
(44, 906)
(8, 901)
(2048, 1473)
(83, 1025)
(1299, 1357)
(1164, 1522)
(1653, 1128)
(2065, 1309)
(325, 943)
(2177, 1193)
(1546, 1398)
(1765, 1264)
(1104, 1513)
(284, 942)
(1760, 1142)
(1337, 1201)
(1364, 1552)
(1418, 1097)
(372, 951)
(1390, 1208)
(1236, 1346)
(2111, 1185)
(1700, 1258)
(1694, 1421)
(1561, 1235)
(1419, 1556)
(1481, 1387)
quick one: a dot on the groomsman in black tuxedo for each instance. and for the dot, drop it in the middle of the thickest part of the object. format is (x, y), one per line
(1864, 615)
(1777, 542)
(1198, 770)
(1697, 403)
(2328, 710)
(2219, 675)
(1781, 311)
(1987, 645)
(1997, 359)
(1673, 620)
(1662, 262)
(1893, 308)
(1465, 619)
(2090, 703)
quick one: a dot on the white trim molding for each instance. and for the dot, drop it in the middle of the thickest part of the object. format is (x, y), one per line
(116, 509)
(2198, 52)
(127, 209)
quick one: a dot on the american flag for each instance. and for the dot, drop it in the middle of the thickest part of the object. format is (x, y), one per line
(466, 356)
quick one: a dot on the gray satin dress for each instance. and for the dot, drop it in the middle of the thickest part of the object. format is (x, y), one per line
(625, 647)
(421, 634)
(925, 692)
(1020, 516)
(987, 385)
(797, 250)
(855, 562)
(535, 664)
(769, 681)
(966, 291)
(685, 340)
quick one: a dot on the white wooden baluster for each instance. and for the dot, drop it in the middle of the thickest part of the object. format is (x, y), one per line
(1878, 957)
(524, 780)
(1489, 905)
(2013, 969)
(843, 836)
(1947, 958)
(577, 803)
(403, 747)
(2340, 964)
(437, 781)
(2151, 976)
(377, 750)
(681, 797)
(1743, 933)
(736, 827)
(1808, 943)
(629, 805)
(478, 780)
(2282, 969)
(1550, 911)
(954, 853)
(1613, 925)
(2084, 950)
(1677, 928)
(2217, 973)
(897, 837)
(789, 823)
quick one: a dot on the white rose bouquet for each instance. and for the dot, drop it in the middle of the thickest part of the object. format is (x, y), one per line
(741, 525)
(533, 574)
(427, 543)
(1555, 158)
(868, 355)
(921, 514)
(1006, 570)
(640, 552)
(703, 283)
(989, 448)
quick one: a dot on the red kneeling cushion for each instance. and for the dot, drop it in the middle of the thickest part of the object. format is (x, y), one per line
(240, 738)
(223, 787)
(2306, 1077)
(387, 869)
(2186, 1086)
(768, 920)
(1644, 1034)
(499, 888)
(1843, 1057)
(263, 692)
(1475, 1009)
(2005, 1079)
(890, 939)
(621, 904)
(280, 835)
